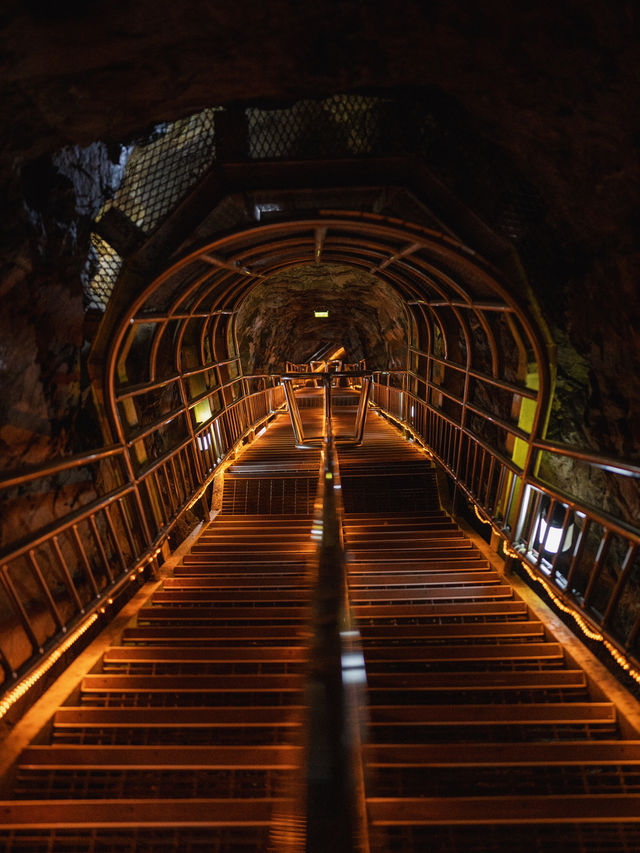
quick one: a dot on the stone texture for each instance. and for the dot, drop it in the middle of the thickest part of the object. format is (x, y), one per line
(45, 399)
(42, 374)
(276, 321)
(550, 90)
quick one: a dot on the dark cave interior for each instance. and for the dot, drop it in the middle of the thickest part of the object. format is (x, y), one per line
(512, 128)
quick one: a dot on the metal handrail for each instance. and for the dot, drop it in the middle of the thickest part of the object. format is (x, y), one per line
(504, 460)
(94, 548)
(90, 546)
(57, 527)
(143, 388)
(520, 390)
(57, 466)
(607, 463)
(335, 798)
(588, 565)
(326, 378)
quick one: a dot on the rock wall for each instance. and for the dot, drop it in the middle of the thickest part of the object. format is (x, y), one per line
(276, 321)
(44, 390)
(46, 406)
(548, 91)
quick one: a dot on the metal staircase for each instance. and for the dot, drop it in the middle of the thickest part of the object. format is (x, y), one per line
(184, 738)
(482, 734)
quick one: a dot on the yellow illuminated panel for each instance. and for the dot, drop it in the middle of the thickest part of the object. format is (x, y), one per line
(202, 411)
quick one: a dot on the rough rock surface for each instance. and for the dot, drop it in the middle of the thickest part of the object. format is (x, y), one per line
(276, 322)
(42, 325)
(554, 86)
(45, 399)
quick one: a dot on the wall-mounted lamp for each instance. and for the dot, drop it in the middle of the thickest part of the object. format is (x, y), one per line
(204, 440)
(549, 533)
(202, 413)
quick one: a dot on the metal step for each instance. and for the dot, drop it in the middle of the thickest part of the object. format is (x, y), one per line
(474, 717)
(481, 735)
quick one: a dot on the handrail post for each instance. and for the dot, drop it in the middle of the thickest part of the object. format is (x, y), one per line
(328, 430)
(361, 414)
(294, 412)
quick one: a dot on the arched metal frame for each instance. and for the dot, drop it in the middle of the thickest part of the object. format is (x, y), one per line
(438, 279)
(179, 405)
(465, 404)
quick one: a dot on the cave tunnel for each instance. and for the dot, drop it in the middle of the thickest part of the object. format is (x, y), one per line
(395, 240)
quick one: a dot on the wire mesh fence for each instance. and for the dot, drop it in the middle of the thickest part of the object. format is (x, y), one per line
(162, 168)
(165, 166)
(340, 126)
(101, 271)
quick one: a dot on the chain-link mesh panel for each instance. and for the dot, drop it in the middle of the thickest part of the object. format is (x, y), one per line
(101, 272)
(365, 125)
(160, 171)
(340, 126)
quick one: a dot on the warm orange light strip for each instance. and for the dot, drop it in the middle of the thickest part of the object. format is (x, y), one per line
(416, 438)
(619, 658)
(488, 521)
(340, 351)
(479, 516)
(28, 681)
(20, 689)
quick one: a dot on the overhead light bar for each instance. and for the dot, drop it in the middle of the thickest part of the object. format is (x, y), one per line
(320, 313)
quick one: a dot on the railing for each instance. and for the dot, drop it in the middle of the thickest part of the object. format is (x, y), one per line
(335, 797)
(327, 379)
(73, 566)
(488, 478)
(586, 559)
(62, 571)
(114, 519)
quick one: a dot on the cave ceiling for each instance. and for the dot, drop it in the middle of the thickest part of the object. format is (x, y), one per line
(556, 84)
(276, 322)
(546, 94)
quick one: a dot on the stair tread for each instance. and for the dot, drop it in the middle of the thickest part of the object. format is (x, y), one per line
(133, 813)
(585, 808)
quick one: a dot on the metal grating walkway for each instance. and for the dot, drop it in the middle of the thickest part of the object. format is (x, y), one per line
(482, 735)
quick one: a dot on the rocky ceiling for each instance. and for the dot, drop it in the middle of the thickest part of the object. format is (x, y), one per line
(549, 90)
(554, 83)
(276, 323)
